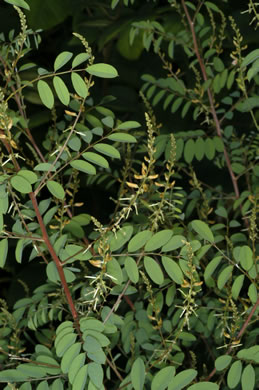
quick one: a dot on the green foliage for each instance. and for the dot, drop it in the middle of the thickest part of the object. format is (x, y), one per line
(161, 292)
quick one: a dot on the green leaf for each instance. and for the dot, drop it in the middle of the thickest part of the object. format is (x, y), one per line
(102, 70)
(189, 150)
(49, 361)
(224, 276)
(21, 184)
(204, 386)
(122, 137)
(46, 94)
(56, 385)
(237, 285)
(118, 239)
(19, 248)
(30, 176)
(175, 242)
(91, 344)
(182, 379)
(246, 257)
(218, 143)
(69, 357)
(199, 149)
(139, 240)
(128, 125)
(153, 270)
(61, 90)
(79, 85)
(80, 379)
(95, 373)
(234, 374)
(19, 3)
(248, 378)
(251, 353)
(209, 149)
(252, 293)
(251, 57)
(12, 376)
(222, 362)
(90, 323)
(83, 166)
(75, 366)
(203, 230)
(113, 268)
(62, 59)
(137, 374)
(64, 343)
(158, 240)
(248, 104)
(173, 269)
(96, 159)
(3, 252)
(107, 150)
(130, 266)
(163, 378)
(108, 121)
(56, 189)
(218, 64)
(253, 70)
(211, 267)
(79, 59)
(45, 167)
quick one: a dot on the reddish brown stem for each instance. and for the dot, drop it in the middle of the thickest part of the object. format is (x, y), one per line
(212, 106)
(56, 261)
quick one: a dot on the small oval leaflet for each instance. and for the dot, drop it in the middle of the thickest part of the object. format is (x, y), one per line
(173, 269)
(56, 189)
(189, 149)
(237, 285)
(28, 175)
(79, 59)
(95, 373)
(137, 374)
(83, 166)
(211, 267)
(182, 379)
(45, 167)
(75, 366)
(3, 252)
(69, 356)
(203, 230)
(222, 362)
(131, 269)
(19, 3)
(122, 137)
(163, 378)
(80, 379)
(234, 374)
(128, 125)
(114, 269)
(224, 276)
(118, 239)
(65, 343)
(96, 159)
(248, 378)
(79, 85)
(204, 386)
(139, 240)
(246, 257)
(61, 90)
(102, 70)
(153, 270)
(107, 150)
(158, 240)
(21, 184)
(62, 59)
(46, 94)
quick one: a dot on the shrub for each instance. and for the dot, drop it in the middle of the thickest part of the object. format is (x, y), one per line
(163, 295)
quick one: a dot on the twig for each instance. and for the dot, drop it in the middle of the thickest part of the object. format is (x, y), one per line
(212, 106)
